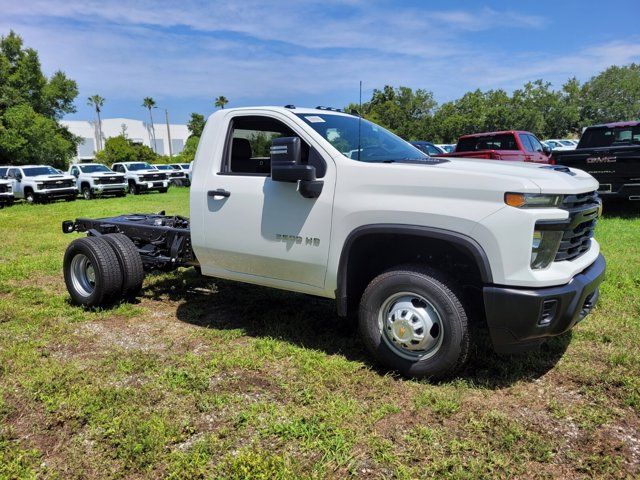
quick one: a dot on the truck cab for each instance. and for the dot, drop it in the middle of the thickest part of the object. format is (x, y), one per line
(142, 177)
(96, 179)
(41, 183)
(417, 248)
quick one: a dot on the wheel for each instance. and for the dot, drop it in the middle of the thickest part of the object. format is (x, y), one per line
(163, 190)
(121, 194)
(86, 192)
(412, 321)
(71, 199)
(134, 189)
(130, 263)
(30, 197)
(92, 272)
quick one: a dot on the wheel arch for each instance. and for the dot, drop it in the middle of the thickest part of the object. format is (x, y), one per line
(356, 268)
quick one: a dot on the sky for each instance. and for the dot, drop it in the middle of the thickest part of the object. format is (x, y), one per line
(314, 52)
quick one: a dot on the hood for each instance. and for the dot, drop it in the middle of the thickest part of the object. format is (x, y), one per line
(47, 178)
(106, 174)
(547, 178)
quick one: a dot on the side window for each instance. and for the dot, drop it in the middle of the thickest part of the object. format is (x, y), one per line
(74, 171)
(526, 143)
(118, 168)
(535, 143)
(431, 150)
(11, 173)
(248, 149)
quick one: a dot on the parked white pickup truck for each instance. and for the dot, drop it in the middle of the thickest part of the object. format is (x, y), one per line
(142, 177)
(6, 193)
(96, 179)
(41, 183)
(416, 247)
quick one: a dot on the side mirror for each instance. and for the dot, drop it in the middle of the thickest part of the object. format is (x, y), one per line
(19, 176)
(286, 166)
(546, 150)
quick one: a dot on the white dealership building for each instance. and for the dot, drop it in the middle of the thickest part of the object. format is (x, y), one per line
(169, 140)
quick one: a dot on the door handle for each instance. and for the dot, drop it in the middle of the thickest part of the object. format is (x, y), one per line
(221, 192)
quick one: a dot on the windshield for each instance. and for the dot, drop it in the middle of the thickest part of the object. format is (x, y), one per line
(94, 168)
(34, 171)
(376, 144)
(132, 167)
(3, 172)
(610, 137)
(501, 141)
(163, 167)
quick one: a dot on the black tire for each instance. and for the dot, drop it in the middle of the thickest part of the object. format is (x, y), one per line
(451, 349)
(30, 197)
(86, 192)
(163, 190)
(121, 194)
(134, 189)
(130, 263)
(71, 199)
(107, 285)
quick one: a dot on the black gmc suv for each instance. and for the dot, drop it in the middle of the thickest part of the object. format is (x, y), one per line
(611, 153)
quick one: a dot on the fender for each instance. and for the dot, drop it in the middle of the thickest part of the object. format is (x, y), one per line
(462, 241)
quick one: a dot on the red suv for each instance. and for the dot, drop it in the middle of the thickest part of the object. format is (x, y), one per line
(512, 145)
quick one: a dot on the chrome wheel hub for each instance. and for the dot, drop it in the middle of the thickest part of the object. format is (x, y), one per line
(411, 325)
(83, 275)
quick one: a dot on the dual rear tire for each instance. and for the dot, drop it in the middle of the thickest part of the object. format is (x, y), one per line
(100, 271)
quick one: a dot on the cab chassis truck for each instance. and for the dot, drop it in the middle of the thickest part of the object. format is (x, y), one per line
(415, 247)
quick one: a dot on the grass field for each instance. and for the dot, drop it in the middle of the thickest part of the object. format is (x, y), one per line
(211, 379)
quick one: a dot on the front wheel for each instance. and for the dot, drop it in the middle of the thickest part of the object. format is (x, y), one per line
(30, 197)
(86, 193)
(412, 321)
(133, 188)
(163, 190)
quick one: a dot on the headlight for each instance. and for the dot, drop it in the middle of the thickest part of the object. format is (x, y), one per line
(544, 247)
(532, 200)
(39, 185)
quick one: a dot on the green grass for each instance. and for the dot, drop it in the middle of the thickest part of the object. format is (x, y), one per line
(211, 379)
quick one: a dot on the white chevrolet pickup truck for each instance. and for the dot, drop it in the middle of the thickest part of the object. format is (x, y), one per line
(41, 183)
(415, 247)
(96, 179)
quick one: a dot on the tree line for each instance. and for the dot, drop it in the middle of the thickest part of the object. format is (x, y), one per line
(31, 105)
(612, 95)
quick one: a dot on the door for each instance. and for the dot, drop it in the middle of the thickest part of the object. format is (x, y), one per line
(13, 175)
(263, 229)
(538, 150)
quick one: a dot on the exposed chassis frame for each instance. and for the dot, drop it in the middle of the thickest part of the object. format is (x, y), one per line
(164, 242)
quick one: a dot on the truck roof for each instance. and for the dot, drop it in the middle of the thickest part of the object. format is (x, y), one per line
(289, 109)
(488, 134)
(629, 123)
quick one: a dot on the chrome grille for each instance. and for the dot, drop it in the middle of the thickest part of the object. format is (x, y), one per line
(109, 180)
(58, 184)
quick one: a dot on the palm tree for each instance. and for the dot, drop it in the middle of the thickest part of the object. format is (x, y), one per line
(96, 101)
(221, 101)
(149, 103)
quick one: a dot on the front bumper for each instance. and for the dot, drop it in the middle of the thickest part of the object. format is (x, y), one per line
(618, 191)
(109, 188)
(154, 185)
(57, 192)
(6, 197)
(521, 318)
